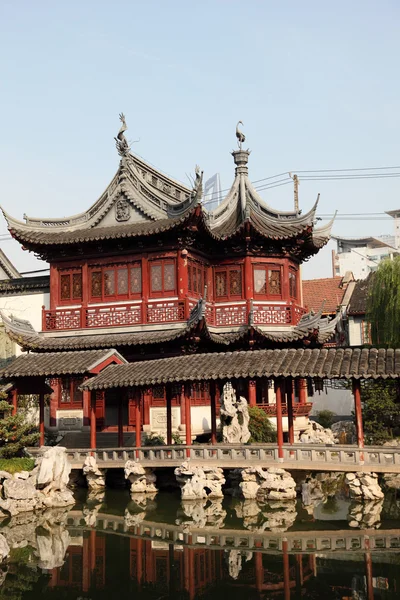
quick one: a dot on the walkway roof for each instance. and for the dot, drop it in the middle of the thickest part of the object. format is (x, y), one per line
(332, 363)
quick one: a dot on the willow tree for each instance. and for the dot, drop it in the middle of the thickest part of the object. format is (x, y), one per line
(383, 304)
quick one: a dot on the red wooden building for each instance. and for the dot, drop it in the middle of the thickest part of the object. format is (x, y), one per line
(148, 272)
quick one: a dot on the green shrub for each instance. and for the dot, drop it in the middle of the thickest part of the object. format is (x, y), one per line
(15, 432)
(261, 428)
(176, 438)
(152, 439)
(14, 465)
(325, 418)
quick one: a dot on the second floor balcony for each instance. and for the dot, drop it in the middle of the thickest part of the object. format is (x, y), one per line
(232, 314)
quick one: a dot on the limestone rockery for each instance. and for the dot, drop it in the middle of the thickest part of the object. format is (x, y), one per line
(43, 487)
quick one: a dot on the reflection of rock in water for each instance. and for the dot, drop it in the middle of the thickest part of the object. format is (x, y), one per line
(234, 559)
(316, 490)
(45, 532)
(365, 515)
(138, 509)
(92, 507)
(133, 519)
(201, 513)
(4, 548)
(270, 516)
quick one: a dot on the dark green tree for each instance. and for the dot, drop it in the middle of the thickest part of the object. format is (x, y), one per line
(381, 411)
(383, 304)
(260, 427)
(16, 433)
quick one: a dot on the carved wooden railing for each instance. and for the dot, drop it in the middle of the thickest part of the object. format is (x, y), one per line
(299, 410)
(168, 311)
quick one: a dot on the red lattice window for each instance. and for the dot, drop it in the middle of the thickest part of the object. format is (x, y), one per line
(70, 286)
(267, 280)
(70, 394)
(116, 282)
(229, 283)
(366, 332)
(196, 278)
(293, 284)
(162, 278)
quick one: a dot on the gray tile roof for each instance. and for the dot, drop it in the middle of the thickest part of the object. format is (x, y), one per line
(55, 363)
(332, 363)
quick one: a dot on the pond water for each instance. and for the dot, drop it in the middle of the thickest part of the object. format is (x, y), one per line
(109, 546)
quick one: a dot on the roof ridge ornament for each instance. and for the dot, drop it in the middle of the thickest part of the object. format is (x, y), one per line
(240, 135)
(197, 191)
(121, 142)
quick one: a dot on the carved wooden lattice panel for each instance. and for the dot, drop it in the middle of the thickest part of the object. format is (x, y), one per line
(272, 315)
(230, 315)
(165, 312)
(63, 319)
(113, 316)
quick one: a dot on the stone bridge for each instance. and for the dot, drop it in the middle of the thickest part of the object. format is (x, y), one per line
(339, 541)
(302, 457)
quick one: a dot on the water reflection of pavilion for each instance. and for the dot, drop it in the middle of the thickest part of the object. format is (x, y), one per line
(98, 561)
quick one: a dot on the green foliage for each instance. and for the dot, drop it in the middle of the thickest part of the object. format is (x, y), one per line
(152, 439)
(261, 428)
(383, 304)
(15, 432)
(14, 465)
(20, 580)
(176, 438)
(325, 418)
(381, 413)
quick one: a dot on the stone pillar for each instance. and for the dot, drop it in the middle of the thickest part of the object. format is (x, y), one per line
(289, 396)
(279, 426)
(120, 420)
(14, 397)
(252, 392)
(358, 412)
(41, 419)
(186, 391)
(168, 397)
(286, 571)
(138, 425)
(93, 441)
(213, 406)
(302, 390)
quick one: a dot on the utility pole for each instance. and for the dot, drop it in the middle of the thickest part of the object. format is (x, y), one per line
(296, 191)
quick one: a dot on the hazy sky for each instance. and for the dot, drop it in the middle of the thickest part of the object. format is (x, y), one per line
(316, 84)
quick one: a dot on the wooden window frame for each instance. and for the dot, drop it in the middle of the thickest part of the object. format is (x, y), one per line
(228, 269)
(69, 272)
(73, 384)
(296, 279)
(162, 262)
(366, 337)
(268, 267)
(194, 267)
(115, 267)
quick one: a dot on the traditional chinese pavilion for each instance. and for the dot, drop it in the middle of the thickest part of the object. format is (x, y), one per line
(148, 272)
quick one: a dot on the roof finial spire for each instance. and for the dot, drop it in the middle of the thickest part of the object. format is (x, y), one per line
(296, 190)
(240, 136)
(120, 141)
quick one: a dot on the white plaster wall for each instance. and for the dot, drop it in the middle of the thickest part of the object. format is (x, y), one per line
(201, 419)
(26, 306)
(340, 402)
(354, 325)
(3, 274)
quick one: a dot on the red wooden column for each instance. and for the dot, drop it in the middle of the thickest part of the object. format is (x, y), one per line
(252, 392)
(139, 561)
(358, 412)
(368, 572)
(14, 397)
(259, 571)
(289, 396)
(86, 406)
(168, 398)
(186, 391)
(183, 281)
(41, 419)
(286, 571)
(213, 406)
(145, 287)
(279, 426)
(85, 562)
(138, 424)
(93, 441)
(302, 390)
(248, 283)
(120, 420)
